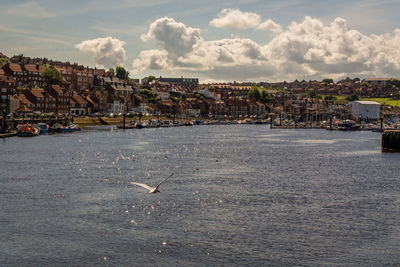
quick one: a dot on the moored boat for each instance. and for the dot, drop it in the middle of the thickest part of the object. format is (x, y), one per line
(43, 127)
(28, 130)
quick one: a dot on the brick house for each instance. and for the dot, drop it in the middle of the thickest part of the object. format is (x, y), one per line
(78, 105)
(7, 88)
(17, 72)
(42, 100)
(33, 74)
(62, 97)
(236, 107)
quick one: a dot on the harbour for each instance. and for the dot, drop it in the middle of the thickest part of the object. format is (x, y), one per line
(241, 194)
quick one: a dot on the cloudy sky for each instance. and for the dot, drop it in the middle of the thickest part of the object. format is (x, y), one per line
(241, 40)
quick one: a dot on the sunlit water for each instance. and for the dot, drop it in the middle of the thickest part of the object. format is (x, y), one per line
(241, 195)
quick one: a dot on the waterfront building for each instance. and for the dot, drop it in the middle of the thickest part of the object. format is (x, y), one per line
(7, 88)
(62, 98)
(365, 110)
(78, 105)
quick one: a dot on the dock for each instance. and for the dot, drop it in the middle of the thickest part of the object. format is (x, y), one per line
(391, 141)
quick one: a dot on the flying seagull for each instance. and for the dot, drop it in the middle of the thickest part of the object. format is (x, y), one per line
(152, 190)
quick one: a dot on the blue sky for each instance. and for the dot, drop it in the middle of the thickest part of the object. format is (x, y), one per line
(54, 28)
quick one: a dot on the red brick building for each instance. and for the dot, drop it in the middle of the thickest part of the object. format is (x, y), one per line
(62, 98)
(7, 88)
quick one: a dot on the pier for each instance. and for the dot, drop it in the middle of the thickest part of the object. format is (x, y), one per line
(391, 141)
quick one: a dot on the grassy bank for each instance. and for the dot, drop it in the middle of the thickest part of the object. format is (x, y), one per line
(384, 101)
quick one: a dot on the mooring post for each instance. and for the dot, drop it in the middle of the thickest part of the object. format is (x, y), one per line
(381, 124)
(330, 123)
(270, 121)
(4, 121)
(124, 121)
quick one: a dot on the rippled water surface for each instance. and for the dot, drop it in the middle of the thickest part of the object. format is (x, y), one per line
(241, 195)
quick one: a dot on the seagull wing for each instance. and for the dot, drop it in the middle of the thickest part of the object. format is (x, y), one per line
(164, 180)
(143, 185)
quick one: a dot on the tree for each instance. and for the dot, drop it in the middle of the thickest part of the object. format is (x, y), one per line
(327, 81)
(254, 93)
(151, 78)
(311, 93)
(3, 61)
(121, 73)
(51, 76)
(111, 71)
(266, 97)
(352, 97)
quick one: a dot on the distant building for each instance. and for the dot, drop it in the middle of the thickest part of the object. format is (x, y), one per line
(365, 110)
(181, 81)
(377, 81)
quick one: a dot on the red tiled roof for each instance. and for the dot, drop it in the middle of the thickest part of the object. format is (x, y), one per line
(34, 68)
(2, 72)
(78, 99)
(7, 79)
(15, 67)
(37, 92)
(88, 99)
(57, 88)
(23, 99)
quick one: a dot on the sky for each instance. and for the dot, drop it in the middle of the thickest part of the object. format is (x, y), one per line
(215, 41)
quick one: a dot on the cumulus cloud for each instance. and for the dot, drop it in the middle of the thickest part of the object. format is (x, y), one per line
(235, 18)
(308, 48)
(107, 52)
(269, 25)
(175, 37)
(151, 59)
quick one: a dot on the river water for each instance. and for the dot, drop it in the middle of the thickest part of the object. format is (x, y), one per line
(240, 195)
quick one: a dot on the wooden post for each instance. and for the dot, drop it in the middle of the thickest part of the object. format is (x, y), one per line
(382, 125)
(330, 123)
(4, 121)
(124, 121)
(270, 121)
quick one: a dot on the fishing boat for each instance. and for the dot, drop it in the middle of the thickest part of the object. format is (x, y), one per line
(28, 130)
(43, 127)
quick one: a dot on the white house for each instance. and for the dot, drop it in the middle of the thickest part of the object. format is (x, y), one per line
(365, 110)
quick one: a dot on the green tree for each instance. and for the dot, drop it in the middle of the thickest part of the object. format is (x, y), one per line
(311, 93)
(352, 97)
(3, 61)
(266, 97)
(121, 73)
(111, 71)
(254, 93)
(151, 78)
(51, 76)
(327, 81)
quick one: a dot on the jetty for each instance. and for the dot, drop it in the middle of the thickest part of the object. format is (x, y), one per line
(391, 141)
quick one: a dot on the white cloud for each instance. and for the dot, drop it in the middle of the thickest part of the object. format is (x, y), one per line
(270, 26)
(107, 52)
(175, 37)
(235, 18)
(306, 49)
(151, 59)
